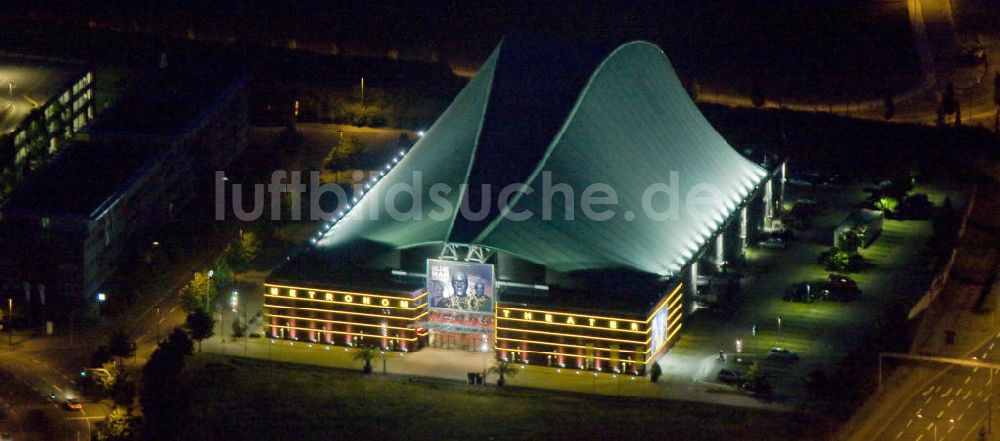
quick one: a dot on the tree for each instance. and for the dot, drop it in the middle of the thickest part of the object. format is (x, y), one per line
(996, 100)
(367, 353)
(122, 389)
(121, 347)
(118, 425)
(100, 356)
(200, 292)
(178, 342)
(853, 239)
(239, 328)
(889, 106)
(163, 396)
(756, 380)
(249, 247)
(201, 325)
(289, 139)
(949, 103)
(655, 372)
(344, 155)
(887, 204)
(695, 89)
(503, 369)
(757, 97)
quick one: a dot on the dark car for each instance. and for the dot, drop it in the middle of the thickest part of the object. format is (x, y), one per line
(782, 354)
(841, 288)
(729, 376)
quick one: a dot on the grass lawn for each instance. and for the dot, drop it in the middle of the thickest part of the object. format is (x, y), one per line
(265, 400)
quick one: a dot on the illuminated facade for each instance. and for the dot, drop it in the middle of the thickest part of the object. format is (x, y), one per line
(345, 317)
(561, 338)
(561, 287)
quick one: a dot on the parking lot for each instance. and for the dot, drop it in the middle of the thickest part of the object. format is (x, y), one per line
(820, 333)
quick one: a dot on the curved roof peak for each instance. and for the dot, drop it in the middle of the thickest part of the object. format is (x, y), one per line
(536, 82)
(545, 112)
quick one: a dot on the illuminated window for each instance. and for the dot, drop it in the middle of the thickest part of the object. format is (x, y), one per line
(274, 291)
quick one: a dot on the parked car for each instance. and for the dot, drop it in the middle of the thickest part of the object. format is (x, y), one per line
(729, 376)
(772, 243)
(782, 354)
(841, 288)
(73, 404)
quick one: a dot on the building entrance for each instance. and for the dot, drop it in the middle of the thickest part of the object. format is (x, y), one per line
(461, 340)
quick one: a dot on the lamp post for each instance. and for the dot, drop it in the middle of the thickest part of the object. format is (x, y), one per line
(779, 329)
(950, 420)
(10, 321)
(208, 287)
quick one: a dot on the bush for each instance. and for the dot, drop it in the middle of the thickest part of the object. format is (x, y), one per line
(842, 261)
(655, 372)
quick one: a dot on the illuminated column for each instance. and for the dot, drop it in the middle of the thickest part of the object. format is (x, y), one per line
(743, 230)
(768, 204)
(692, 278)
(781, 191)
(720, 251)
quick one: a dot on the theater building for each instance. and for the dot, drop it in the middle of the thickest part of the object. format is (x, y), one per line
(560, 213)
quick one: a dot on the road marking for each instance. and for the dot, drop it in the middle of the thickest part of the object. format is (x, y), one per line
(959, 417)
(909, 423)
(929, 426)
(967, 379)
(899, 434)
(929, 389)
(970, 405)
(950, 402)
(920, 437)
(161, 321)
(928, 400)
(57, 388)
(945, 395)
(940, 413)
(991, 346)
(966, 397)
(175, 308)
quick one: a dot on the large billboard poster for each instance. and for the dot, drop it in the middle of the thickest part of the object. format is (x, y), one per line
(658, 329)
(460, 286)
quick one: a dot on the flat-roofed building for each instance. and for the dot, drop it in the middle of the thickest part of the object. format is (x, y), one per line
(43, 104)
(68, 228)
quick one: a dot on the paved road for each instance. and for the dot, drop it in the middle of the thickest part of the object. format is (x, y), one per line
(936, 42)
(955, 404)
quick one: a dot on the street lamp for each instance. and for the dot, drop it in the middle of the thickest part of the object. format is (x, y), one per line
(208, 288)
(950, 420)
